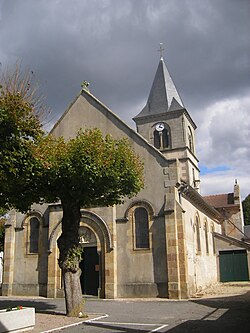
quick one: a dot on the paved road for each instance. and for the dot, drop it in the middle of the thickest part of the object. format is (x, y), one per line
(224, 314)
(230, 315)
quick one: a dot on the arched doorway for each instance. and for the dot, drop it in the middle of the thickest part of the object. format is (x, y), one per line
(90, 264)
(94, 233)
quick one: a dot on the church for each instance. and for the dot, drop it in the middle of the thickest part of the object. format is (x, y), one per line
(169, 241)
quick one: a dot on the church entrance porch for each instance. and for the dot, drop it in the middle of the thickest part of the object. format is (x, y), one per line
(98, 265)
(90, 271)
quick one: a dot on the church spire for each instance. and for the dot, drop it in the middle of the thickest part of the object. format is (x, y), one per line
(163, 95)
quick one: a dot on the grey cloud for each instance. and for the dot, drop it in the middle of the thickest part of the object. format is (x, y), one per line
(113, 45)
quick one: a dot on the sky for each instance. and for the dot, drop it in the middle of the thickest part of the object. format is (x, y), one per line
(113, 44)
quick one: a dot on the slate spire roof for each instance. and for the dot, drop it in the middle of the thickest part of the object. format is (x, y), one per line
(163, 95)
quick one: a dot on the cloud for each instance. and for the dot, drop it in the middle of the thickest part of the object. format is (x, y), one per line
(224, 135)
(113, 45)
(223, 140)
(223, 182)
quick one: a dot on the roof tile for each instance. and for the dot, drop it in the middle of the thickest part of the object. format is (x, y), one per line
(220, 200)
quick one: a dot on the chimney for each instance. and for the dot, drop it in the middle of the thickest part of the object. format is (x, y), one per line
(236, 193)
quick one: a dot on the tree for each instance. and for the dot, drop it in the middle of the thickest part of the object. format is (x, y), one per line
(246, 209)
(88, 170)
(20, 129)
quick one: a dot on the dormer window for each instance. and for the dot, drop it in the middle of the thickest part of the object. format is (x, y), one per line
(161, 136)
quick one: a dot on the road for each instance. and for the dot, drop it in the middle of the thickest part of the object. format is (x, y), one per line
(229, 314)
(226, 314)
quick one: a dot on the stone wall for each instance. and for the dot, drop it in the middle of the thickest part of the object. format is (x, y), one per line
(202, 265)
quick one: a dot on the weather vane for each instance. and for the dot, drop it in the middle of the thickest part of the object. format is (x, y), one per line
(161, 49)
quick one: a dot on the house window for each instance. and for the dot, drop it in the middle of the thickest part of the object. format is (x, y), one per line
(198, 238)
(141, 228)
(33, 235)
(206, 236)
(161, 136)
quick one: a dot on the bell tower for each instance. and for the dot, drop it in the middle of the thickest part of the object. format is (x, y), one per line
(166, 124)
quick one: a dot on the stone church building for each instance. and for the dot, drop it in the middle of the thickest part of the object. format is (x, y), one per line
(165, 242)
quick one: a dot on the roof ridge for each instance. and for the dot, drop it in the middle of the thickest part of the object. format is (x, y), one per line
(214, 195)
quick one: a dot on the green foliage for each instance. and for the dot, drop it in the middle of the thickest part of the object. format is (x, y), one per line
(20, 129)
(246, 209)
(89, 169)
(2, 211)
(73, 257)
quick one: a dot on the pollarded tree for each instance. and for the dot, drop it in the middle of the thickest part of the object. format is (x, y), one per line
(88, 170)
(246, 209)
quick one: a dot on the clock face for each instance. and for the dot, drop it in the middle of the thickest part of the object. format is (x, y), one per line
(159, 127)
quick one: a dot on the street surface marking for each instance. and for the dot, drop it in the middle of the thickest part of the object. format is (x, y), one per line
(74, 324)
(97, 318)
(117, 323)
(159, 328)
(126, 324)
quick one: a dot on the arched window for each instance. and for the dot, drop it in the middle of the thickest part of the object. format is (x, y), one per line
(190, 140)
(165, 138)
(161, 136)
(157, 141)
(33, 235)
(141, 228)
(206, 236)
(197, 231)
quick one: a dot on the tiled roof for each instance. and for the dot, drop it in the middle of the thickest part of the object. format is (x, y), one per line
(220, 200)
(196, 199)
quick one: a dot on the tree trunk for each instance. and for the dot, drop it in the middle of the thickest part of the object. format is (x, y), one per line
(69, 258)
(73, 294)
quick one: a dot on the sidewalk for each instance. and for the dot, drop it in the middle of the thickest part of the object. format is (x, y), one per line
(50, 322)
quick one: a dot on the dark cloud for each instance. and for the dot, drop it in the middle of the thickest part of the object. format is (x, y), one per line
(113, 45)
